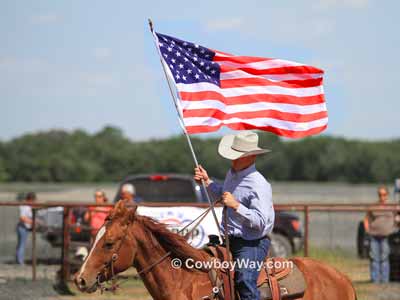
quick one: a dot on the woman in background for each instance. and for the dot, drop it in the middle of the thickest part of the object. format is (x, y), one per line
(96, 215)
(379, 225)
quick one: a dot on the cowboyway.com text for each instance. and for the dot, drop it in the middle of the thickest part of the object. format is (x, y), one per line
(190, 263)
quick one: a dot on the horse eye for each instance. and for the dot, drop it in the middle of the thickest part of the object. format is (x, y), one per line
(109, 245)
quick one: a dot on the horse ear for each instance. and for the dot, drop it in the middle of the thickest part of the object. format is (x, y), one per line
(120, 208)
(132, 213)
(120, 205)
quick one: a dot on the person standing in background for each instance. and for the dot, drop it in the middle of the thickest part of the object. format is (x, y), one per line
(128, 193)
(379, 225)
(24, 226)
(96, 215)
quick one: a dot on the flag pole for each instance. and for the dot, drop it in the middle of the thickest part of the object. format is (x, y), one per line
(180, 119)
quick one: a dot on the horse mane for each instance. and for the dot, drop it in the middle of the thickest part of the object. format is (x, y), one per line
(170, 241)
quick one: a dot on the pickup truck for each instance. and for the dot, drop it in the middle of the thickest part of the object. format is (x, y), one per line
(287, 237)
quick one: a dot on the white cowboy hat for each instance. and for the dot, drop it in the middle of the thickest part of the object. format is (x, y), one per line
(234, 146)
(128, 188)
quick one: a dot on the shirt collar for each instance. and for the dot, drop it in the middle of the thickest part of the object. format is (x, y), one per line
(244, 172)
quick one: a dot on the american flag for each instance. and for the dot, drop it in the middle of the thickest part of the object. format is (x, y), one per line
(242, 92)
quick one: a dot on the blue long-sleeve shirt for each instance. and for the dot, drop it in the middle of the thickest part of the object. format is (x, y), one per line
(255, 215)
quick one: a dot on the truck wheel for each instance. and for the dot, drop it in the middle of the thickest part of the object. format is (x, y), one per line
(280, 246)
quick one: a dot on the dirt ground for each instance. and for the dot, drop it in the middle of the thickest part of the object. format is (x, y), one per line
(23, 288)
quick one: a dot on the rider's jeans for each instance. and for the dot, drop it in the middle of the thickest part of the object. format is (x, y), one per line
(245, 274)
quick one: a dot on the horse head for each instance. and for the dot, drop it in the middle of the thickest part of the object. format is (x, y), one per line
(112, 251)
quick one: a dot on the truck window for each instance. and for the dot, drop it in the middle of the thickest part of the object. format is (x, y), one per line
(169, 190)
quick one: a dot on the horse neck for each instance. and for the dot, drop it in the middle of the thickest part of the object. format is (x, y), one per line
(158, 278)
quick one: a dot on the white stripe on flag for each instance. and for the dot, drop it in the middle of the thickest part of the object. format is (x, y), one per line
(259, 122)
(256, 106)
(250, 90)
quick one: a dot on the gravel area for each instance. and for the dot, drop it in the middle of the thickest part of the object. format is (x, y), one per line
(16, 282)
(24, 289)
(14, 271)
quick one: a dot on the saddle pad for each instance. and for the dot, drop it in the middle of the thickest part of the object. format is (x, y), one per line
(292, 286)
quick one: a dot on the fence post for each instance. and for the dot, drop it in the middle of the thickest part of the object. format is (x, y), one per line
(306, 229)
(33, 244)
(65, 246)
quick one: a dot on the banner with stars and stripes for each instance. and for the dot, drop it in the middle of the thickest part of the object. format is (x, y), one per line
(242, 92)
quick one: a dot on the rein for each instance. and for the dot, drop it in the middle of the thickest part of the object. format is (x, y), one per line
(114, 285)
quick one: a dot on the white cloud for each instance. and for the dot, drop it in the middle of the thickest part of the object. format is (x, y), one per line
(40, 77)
(12, 65)
(99, 79)
(300, 27)
(224, 24)
(49, 18)
(102, 53)
(331, 4)
(6, 62)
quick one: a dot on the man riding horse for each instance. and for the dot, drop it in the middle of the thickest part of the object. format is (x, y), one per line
(247, 196)
(129, 239)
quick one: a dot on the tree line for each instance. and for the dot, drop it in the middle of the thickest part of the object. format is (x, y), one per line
(108, 155)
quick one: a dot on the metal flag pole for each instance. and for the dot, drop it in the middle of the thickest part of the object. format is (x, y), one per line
(180, 119)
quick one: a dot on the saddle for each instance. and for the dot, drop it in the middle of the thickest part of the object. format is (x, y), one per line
(279, 279)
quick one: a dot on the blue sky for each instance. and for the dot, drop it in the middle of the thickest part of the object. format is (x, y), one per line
(87, 64)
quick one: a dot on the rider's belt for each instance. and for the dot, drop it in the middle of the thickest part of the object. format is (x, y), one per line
(240, 239)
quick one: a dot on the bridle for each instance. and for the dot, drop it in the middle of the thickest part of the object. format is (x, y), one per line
(112, 284)
(112, 281)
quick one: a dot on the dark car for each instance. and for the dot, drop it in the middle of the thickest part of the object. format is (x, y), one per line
(164, 188)
(287, 236)
(363, 241)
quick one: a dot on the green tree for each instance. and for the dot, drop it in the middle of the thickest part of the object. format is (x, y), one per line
(108, 155)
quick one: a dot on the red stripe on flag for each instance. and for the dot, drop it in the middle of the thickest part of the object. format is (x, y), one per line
(279, 115)
(274, 71)
(253, 98)
(253, 81)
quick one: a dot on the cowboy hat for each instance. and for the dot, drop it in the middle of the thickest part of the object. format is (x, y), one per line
(234, 146)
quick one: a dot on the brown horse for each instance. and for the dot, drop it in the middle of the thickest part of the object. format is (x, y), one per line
(129, 239)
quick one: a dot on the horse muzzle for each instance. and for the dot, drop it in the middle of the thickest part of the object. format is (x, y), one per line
(83, 286)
